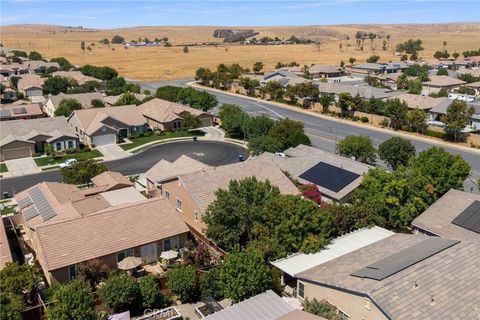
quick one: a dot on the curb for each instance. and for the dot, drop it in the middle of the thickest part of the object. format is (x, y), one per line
(342, 121)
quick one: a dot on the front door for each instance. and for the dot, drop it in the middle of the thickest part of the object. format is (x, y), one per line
(148, 252)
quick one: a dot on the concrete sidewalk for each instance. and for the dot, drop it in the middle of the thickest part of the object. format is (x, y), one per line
(20, 167)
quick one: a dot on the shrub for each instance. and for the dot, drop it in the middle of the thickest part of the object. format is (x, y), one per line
(385, 122)
(12, 306)
(150, 292)
(321, 308)
(120, 292)
(71, 301)
(364, 119)
(355, 118)
(182, 280)
(435, 134)
(210, 285)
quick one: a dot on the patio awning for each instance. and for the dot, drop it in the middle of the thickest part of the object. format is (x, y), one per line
(168, 255)
(129, 263)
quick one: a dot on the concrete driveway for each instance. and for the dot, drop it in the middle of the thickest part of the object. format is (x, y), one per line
(21, 167)
(213, 133)
(112, 152)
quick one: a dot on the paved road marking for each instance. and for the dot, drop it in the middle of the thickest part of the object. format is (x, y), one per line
(266, 108)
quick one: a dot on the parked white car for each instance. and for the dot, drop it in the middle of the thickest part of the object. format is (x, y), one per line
(68, 163)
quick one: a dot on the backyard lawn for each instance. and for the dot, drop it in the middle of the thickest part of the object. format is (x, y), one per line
(153, 137)
(3, 168)
(9, 209)
(43, 161)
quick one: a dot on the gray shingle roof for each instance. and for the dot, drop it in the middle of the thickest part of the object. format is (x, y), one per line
(264, 306)
(437, 219)
(363, 91)
(450, 278)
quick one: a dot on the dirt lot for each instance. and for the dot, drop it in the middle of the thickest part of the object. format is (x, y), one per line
(171, 63)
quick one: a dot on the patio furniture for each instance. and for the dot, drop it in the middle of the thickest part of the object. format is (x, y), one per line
(129, 263)
(169, 255)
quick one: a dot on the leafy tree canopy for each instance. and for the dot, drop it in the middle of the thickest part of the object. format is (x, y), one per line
(71, 301)
(56, 84)
(34, 55)
(360, 147)
(120, 292)
(67, 106)
(182, 280)
(82, 171)
(396, 152)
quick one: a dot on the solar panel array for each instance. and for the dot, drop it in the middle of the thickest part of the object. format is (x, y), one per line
(330, 177)
(403, 259)
(24, 202)
(19, 110)
(4, 113)
(41, 203)
(469, 218)
(30, 213)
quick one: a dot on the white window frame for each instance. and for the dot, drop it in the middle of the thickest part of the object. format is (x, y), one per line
(343, 314)
(58, 146)
(181, 205)
(167, 194)
(298, 290)
(126, 253)
(72, 143)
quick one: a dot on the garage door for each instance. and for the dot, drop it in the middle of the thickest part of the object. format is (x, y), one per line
(16, 153)
(105, 139)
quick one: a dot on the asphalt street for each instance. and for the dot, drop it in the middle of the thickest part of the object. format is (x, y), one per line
(325, 133)
(213, 153)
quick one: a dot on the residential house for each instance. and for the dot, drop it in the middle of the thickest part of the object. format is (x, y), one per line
(164, 171)
(475, 86)
(299, 262)
(165, 115)
(23, 138)
(436, 114)
(364, 91)
(473, 72)
(39, 66)
(76, 75)
(9, 94)
(283, 77)
(462, 97)
(14, 69)
(101, 126)
(24, 111)
(65, 226)
(390, 79)
(31, 85)
(336, 177)
(379, 68)
(401, 277)
(191, 193)
(415, 101)
(456, 215)
(264, 306)
(436, 83)
(85, 99)
(318, 71)
(110, 180)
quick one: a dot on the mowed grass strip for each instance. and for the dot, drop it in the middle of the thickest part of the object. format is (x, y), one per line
(136, 142)
(44, 161)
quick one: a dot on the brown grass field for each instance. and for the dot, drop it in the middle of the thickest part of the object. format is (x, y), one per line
(171, 63)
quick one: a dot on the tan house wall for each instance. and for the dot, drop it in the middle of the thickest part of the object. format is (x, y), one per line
(177, 191)
(355, 306)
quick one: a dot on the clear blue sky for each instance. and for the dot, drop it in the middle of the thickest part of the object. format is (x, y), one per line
(123, 13)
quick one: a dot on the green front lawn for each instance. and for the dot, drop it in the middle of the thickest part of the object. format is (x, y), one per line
(3, 168)
(44, 161)
(9, 209)
(153, 137)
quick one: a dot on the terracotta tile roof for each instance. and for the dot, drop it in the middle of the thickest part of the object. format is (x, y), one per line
(421, 102)
(108, 231)
(165, 170)
(202, 184)
(443, 81)
(5, 252)
(165, 111)
(30, 81)
(16, 111)
(437, 219)
(77, 75)
(93, 119)
(449, 277)
(111, 180)
(121, 196)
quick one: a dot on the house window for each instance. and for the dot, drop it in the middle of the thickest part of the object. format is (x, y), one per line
(171, 243)
(70, 144)
(167, 194)
(195, 213)
(301, 290)
(72, 272)
(58, 146)
(179, 205)
(343, 315)
(122, 255)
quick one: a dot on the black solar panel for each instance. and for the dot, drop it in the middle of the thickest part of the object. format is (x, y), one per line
(30, 213)
(24, 202)
(42, 204)
(405, 258)
(19, 110)
(469, 218)
(328, 176)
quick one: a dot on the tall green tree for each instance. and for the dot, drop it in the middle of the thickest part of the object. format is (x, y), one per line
(396, 110)
(150, 292)
(120, 292)
(360, 147)
(204, 75)
(325, 101)
(289, 133)
(457, 117)
(18, 278)
(82, 172)
(416, 119)
(396, 152)
(274, 89)
(12, 306)
(182, 280)
(55, 85)
(127, 98)
(257, 66)
(34, 55)
(64, 64)
(346, 102)
(191, 121)
(71, 301)
(232, 117)
(250, 85)
(66, 107)
(245, 274)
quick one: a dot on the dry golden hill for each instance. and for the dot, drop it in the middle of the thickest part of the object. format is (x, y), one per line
(170, 63)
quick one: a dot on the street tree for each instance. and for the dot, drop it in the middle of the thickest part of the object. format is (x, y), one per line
(396, 110)
(359, 147)
(274, 89)
(396, 152)
(416, 119)
(325, 101)
(457, 117)
(82, 171)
